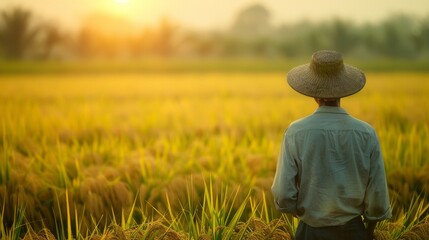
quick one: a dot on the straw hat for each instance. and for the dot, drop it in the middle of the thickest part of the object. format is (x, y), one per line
(326, 76)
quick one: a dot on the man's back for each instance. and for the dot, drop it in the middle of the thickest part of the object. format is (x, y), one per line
(333, 152)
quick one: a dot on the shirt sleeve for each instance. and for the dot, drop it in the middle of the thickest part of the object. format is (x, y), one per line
(284, 187)
(376, 200)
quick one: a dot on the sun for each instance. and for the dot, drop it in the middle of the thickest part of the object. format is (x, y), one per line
(121, 1)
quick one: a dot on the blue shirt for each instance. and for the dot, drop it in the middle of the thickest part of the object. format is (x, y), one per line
(330, 169)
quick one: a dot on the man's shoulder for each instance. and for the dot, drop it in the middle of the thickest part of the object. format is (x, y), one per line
(362, 125)
(348, 122)
(299, 124)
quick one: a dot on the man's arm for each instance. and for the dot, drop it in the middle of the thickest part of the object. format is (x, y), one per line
(377, 206)
(284, 187)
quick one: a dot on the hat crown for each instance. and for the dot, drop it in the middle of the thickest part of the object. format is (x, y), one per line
(326, 61)
(326, 76)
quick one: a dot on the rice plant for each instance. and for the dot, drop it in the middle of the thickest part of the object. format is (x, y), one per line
(185, 156)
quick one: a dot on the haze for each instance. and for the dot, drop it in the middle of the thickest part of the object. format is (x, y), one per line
(214, 14)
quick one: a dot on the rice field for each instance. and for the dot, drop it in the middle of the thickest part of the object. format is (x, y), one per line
(183, 156)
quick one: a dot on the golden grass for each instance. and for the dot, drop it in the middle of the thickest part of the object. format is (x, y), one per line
(113, 146)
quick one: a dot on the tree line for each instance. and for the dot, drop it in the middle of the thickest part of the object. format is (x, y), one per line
(23, 36)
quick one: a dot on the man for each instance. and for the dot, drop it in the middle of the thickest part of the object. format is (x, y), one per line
(330, 170)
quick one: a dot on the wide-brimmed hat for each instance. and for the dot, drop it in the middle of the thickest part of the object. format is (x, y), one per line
(326, 76)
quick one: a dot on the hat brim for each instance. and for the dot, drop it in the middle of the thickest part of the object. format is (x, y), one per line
(346, 82)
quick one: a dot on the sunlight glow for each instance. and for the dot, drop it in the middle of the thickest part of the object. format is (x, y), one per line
(121, 8)
(121, 1)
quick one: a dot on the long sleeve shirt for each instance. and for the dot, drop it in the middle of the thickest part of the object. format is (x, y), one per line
(330, 169)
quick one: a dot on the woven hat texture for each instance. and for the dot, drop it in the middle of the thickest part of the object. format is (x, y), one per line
(326, 76)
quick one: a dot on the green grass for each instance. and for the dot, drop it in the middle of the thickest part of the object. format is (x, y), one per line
(184, 156)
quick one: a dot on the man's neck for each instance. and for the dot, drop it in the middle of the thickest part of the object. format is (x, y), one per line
(330, 104)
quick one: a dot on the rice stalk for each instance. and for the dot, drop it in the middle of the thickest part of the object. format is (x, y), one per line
(69, 222)
(416, 213)
(18, 225)
(5, 165)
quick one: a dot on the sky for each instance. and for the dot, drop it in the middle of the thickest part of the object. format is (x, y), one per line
(217, 14)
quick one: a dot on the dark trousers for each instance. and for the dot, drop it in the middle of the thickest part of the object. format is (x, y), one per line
(352, 230)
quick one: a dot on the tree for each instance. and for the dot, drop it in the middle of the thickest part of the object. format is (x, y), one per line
(422, 40)
(51, 38)
(252, 21)
(166, 31)
(343, 35)
(105, 35)
(398, 36)
(17, 35)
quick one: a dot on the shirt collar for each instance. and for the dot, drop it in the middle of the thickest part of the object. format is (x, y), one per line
(326, 109)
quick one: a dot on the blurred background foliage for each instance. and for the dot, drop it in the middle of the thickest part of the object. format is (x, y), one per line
(24, 36)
